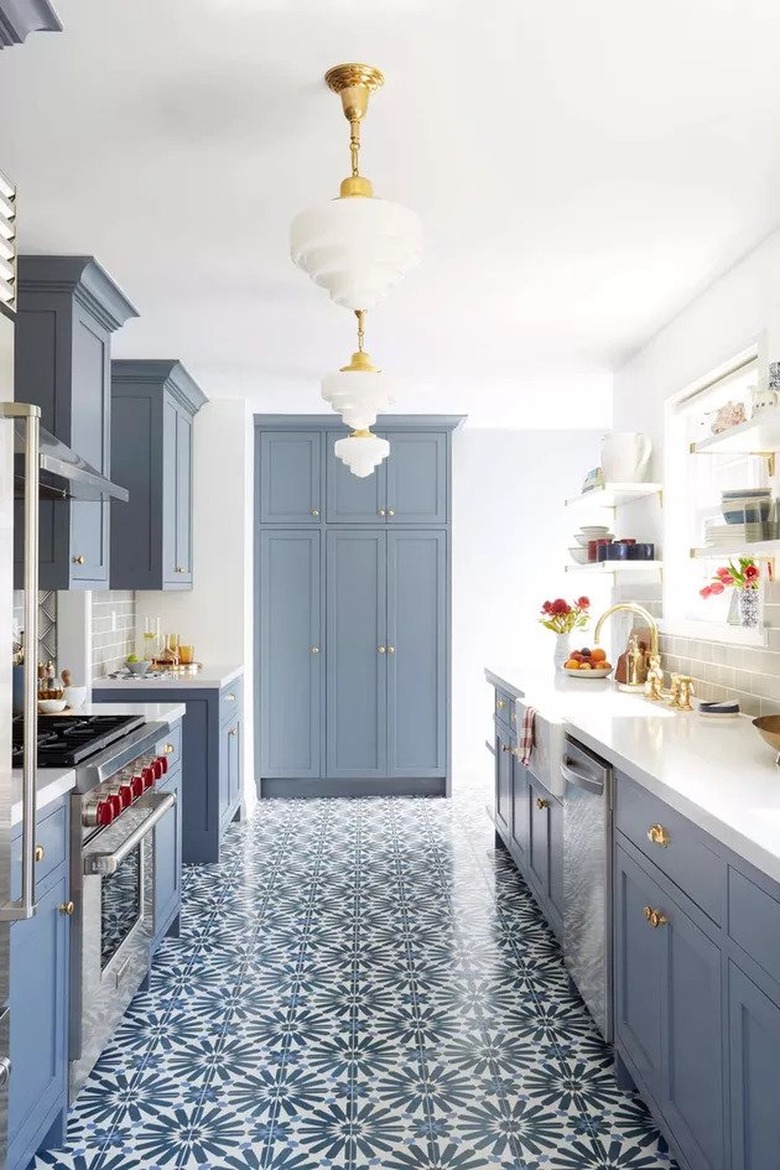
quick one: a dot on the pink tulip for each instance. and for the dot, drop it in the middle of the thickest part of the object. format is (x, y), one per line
(717, 587)
(706, 591)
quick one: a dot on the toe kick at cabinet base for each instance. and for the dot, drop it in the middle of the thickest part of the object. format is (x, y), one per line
(427, 786)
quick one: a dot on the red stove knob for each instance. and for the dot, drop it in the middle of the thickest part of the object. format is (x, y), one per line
(157, 767)
(126, 795)
(137, 785)
(148, 777)
(104, 814)
(163, 762)
(115, 801)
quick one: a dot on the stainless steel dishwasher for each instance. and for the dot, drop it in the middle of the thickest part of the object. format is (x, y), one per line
(587, 878)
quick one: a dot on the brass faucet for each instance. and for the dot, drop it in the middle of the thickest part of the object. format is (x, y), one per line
(655, 675)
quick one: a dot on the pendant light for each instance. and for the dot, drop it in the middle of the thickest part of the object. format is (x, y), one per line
(359, 391)
(362, 452)
(356, 246)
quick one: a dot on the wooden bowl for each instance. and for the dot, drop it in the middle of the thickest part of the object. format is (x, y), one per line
(768, 727)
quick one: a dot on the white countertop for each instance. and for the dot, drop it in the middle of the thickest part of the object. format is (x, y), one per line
(56, 782)
(208, 677)
(718, 773)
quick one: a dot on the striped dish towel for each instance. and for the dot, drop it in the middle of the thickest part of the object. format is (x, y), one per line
(527, 736)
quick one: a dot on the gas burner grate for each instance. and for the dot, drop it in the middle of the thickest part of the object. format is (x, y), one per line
(67, 740)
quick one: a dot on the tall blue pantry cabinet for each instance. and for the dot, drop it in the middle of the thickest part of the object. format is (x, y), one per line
(352, 610)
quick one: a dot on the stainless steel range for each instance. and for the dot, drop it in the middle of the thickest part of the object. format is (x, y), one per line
(114, 809)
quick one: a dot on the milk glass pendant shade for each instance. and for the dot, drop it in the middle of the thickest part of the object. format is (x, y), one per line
(356, 247)
(359, 391)
(362, 452)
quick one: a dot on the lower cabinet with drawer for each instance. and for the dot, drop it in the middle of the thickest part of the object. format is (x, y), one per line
(697, 986)
(211, 774)
(38, 1041)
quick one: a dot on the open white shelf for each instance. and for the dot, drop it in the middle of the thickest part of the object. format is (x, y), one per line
(605, 567)
(759, 548)
(757, 436)
(611, 495)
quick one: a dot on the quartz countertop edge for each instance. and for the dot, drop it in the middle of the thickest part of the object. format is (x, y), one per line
(716, 772)
(208, 678)
(56, 782)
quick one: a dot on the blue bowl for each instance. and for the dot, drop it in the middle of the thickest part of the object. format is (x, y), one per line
(750, 512)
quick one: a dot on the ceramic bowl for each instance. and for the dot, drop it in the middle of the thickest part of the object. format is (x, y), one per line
(51, 706)
(75, 697)
(584, 538)
(138, 668)
(586, 674)
(580, 555)
(768, 727)
(595, 530)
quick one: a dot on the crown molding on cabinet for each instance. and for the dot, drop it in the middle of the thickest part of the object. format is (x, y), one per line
(18, 18)
(169, 373)
(81, 277)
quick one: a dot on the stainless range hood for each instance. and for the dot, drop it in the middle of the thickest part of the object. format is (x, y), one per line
(62, 474)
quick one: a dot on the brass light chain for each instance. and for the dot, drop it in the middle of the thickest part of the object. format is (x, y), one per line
(361, 320)
(354, 145)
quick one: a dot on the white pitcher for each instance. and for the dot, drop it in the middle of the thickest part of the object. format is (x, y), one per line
(625, 456)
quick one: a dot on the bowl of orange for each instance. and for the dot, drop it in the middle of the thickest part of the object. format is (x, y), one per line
(588, 664)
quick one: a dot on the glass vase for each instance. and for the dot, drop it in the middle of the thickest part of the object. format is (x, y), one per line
(561, 655)
(748, 608)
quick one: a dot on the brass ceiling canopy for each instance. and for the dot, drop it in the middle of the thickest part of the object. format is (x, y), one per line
(355, 83)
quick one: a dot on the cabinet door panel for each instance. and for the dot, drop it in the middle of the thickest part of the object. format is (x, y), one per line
(356, 694)
(502, 809)
(556, 855)
(167, 860)
(289, 631)
(289, 477)
(519, 809)
(641, 966)
(90, 437)
(417, 653)
(694, 1032)
(234, 764)
(170, 491)
(183, 531)
(350, 499)
(754, 1074)
(38, 1034)
(417, 478)
(538, 837)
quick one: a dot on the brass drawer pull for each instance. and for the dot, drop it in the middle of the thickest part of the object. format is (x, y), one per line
(655, 917)
(540, 804)
(231, 698)
(500, 704)
(80, 560)
(168, 749)
(659, 836)
(67, 908)
(40, 852)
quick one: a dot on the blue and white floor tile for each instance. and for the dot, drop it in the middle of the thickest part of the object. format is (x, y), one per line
(360, 984)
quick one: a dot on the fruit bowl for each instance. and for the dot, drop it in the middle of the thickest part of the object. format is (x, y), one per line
(138, 668)
(768, 727)
(599, 672)
(51, 706)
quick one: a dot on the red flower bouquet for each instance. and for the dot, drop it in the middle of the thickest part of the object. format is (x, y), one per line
(562, 618)
(745, 575)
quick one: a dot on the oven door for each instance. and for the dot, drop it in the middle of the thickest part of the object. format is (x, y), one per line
(115, 908)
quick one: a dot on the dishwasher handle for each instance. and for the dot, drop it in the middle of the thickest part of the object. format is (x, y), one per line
(579, 779)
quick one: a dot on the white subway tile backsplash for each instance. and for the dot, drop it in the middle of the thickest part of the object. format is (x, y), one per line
(113, 630)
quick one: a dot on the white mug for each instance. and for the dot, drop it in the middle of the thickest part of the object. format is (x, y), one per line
(75, 697)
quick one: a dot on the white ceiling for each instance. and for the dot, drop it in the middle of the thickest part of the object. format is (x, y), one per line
(581, 170)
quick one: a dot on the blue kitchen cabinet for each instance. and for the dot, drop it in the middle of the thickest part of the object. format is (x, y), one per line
(290, 654)
(18, 18)
(229, 771)
(518, 803)
(350, 498)
(411, 486)
(754, 1073)
(167, 868)
(668, 1009)
(502, 808)
(289, 475)
(68, 307)
(153, 405)
(356, 654)
(210, 800)
(38, 999)
(417, 652)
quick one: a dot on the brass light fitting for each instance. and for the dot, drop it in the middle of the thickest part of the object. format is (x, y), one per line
(360, 362)
(354, 84)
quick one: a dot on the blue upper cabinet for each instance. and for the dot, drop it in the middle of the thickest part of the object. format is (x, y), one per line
(289, 465)
(417, 653)
(290, 655)
(67, 310)
(154, 404)
(19, 18)
(410, 487)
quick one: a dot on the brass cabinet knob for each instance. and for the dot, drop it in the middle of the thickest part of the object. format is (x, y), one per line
(391, 649)
(168, 749)
(315, 649)
(231, 698)
(659, 836)
(40, 852)
(180, 569)
(80, 560)
(315, 511)
(540, 804)
(66, 908)
(500, 704)
(655, 917)
(233, 731)
(380, 649)
(381, 512)
(505, 747)
(391, 511)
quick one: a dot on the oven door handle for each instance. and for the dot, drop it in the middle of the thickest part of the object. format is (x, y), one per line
(104, 864)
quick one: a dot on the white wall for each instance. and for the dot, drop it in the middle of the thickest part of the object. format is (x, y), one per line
(510, 536)
(216, 615)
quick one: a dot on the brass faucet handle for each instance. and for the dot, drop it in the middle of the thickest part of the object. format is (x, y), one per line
(655, 679)
(686, 693)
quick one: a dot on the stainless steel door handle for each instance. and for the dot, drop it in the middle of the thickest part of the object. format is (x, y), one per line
(31, 416)
(579, 780)
(5, 1071)
(105, 864)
